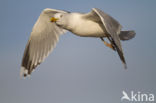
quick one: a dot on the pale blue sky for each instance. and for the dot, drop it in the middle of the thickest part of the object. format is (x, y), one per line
(80, 70)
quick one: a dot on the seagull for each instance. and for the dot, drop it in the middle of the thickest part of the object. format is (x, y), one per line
(52, 23)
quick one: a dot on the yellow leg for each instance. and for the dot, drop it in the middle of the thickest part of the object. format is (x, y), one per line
(108, 44)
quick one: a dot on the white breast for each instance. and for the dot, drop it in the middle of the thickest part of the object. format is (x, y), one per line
(86, 28)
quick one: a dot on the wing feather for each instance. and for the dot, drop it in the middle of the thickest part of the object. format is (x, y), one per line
(113, 29)
(43, 39)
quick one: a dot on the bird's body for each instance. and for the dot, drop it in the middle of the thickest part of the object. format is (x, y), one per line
(52, 23)
(94, 29)
(89, 29)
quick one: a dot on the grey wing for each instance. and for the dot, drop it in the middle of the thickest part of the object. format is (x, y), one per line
(43, 39)
(113, 29)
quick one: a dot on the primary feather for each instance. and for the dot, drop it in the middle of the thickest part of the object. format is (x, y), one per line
(43, 39)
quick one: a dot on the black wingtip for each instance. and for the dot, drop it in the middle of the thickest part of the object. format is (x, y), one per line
(125, 65)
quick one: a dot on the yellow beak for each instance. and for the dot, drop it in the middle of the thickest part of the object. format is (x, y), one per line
(53, 19)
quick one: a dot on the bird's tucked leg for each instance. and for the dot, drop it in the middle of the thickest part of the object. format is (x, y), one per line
(108, 44)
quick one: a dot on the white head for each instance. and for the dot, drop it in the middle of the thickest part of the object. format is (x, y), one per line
(61, 19)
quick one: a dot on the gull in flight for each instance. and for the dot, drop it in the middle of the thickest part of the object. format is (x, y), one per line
(52, 23)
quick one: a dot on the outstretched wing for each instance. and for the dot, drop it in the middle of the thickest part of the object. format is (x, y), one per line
(43, 39)
(112, 28)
